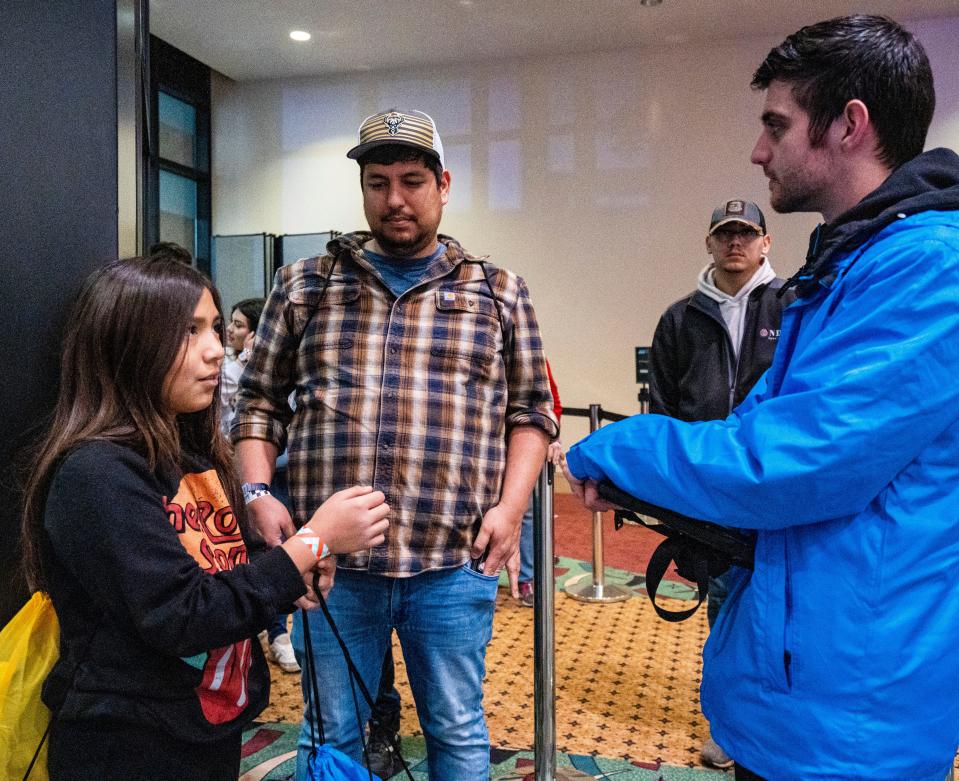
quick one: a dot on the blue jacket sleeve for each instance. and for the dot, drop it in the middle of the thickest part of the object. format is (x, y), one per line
(868, 379)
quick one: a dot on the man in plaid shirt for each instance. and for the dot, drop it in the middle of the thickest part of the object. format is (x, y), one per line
(416, 369)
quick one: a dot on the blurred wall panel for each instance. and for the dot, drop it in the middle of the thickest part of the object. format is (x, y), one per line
(58, 211)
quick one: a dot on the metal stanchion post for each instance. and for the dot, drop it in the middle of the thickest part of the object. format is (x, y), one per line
(598, 591)
(544, 640)
(544, 637)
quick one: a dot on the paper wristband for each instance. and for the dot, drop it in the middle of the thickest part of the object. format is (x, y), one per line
(312, 540)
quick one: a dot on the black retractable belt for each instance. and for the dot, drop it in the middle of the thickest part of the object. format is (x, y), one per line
(700, 549)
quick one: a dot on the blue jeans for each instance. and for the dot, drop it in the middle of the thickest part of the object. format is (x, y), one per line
(526, 545)
(444, 621)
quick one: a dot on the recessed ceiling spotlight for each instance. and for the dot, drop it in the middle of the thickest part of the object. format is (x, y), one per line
(300, 35)
(650, 3)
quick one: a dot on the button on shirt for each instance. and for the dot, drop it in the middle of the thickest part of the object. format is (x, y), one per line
(412, 395)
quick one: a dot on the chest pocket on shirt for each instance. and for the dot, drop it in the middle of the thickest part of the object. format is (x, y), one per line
(466, 327)
(334, 326)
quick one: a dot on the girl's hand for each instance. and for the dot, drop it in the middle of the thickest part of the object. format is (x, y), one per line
(555, 454)
(327, 572)
(353, 519)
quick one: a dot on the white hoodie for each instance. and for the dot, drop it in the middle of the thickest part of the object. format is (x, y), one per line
(733, 308)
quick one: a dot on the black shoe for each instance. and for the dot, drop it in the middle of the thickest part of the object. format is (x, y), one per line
(384, 761)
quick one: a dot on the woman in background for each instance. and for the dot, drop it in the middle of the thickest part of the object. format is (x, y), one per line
(244, 319)
(129, 524)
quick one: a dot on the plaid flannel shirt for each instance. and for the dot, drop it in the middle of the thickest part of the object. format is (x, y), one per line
(412, 395)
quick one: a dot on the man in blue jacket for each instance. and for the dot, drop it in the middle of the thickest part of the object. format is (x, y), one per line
(835, 658)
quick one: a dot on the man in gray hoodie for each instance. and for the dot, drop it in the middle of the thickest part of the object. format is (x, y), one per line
(711, 346)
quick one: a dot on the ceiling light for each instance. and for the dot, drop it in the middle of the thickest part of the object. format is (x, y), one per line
(300, 35)
(650, 3)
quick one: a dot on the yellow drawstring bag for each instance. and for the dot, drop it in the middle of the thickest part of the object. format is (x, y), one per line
(29, 647)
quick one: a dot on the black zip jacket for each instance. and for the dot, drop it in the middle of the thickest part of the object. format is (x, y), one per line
(692, 356)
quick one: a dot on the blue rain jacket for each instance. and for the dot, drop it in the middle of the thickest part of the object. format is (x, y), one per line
(838, 657)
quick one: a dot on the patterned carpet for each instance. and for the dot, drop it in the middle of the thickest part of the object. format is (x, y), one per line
(627, 704)
(627, 683)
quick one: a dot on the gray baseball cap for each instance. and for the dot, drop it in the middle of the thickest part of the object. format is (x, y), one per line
(738, 210)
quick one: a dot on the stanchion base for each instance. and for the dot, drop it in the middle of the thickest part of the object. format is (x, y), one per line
(595, 593)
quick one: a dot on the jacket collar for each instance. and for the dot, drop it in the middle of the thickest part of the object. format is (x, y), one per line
(928, 182)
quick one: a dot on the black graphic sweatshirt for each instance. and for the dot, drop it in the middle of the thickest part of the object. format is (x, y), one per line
(158, 605)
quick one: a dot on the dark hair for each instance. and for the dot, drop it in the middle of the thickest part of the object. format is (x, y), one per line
(170, 249)
(251, 309)
(869, 58)
(127, 331)
(401, 153)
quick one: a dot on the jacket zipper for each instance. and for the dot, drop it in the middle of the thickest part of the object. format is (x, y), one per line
(747, 328)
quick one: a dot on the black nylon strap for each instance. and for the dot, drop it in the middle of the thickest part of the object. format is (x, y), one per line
(36, 754)
(659, 562)
(507, 333)
(314, 690)
(354, 672)
(53, 716)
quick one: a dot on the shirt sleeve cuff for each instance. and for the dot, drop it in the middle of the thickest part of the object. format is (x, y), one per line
(267, 430)
(535, 418)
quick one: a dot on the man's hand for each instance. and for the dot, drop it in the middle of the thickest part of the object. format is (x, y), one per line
(499, 534)
(586, 491)
(271, 520)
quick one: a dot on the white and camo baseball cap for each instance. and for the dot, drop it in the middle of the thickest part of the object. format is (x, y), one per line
(406, 128)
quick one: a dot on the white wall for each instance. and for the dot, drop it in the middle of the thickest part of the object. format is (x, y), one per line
(591, 175)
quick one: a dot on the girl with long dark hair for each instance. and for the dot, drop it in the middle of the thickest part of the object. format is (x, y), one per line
(131, 523)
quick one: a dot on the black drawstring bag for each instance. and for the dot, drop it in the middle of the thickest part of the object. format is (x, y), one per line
(325, 762)
(700, 549)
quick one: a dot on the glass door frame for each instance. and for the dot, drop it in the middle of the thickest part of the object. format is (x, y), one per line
(188, 80)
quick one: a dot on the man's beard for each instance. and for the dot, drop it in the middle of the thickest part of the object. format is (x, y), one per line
(800, 195)
(791, 201)
(403, 248)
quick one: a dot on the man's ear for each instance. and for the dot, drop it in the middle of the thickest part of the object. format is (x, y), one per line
(856, 128)
(766, 242)
(445, 187)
